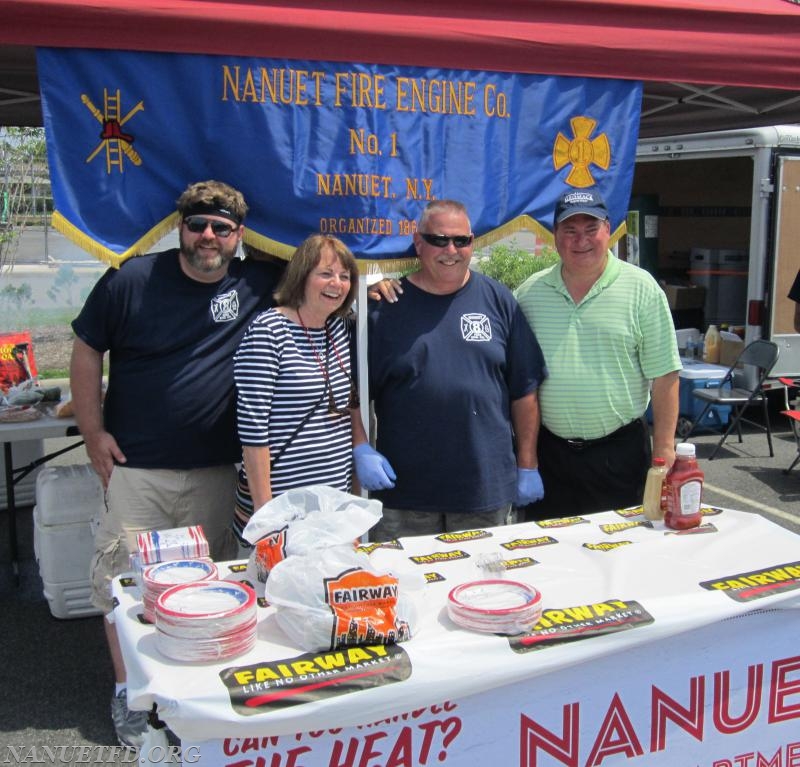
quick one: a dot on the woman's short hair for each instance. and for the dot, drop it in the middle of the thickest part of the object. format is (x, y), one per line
(292, 287)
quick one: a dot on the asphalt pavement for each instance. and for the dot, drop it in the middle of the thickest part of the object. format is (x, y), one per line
(743, 476)
(56, 676)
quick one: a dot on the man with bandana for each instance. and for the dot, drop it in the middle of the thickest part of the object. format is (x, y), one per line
(164, 441)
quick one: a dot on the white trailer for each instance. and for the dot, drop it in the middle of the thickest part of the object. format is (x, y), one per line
(735, 191)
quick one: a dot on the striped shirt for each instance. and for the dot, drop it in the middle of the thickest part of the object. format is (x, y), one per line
(279, 380)
(602, 353)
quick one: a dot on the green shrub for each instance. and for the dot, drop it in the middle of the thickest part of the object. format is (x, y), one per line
(15, 298)
(512, 265)
(50, 373)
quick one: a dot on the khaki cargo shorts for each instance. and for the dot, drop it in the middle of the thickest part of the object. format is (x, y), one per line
(138, 500)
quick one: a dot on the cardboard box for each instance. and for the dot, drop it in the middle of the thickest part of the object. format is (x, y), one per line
(685, 296)
(730, 349)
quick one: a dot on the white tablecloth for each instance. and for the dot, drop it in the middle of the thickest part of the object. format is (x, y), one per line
(601, 573)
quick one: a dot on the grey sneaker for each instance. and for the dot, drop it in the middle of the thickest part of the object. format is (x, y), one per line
(131, 726)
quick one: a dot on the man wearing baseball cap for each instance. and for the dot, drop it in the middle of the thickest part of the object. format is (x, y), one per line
(587, 202)
(608, 339)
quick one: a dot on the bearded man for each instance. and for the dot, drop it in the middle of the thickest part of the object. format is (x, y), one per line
(164, 441)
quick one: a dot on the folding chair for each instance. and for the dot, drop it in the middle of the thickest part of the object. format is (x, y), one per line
(794, 416)
(761, 355)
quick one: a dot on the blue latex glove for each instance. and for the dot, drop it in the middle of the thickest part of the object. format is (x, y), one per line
(373, 470)
(529, 486)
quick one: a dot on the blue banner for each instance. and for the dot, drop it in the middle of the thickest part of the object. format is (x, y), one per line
(353, 150)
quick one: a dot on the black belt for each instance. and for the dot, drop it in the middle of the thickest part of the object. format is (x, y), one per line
(582, 444)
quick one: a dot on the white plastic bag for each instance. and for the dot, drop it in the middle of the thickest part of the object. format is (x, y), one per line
(336, 598)
(303, 520)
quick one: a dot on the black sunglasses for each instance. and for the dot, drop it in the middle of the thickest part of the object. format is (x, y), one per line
(442, 240)
(198, 224)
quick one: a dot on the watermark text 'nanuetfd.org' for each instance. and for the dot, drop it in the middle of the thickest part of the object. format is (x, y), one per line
(58, 755)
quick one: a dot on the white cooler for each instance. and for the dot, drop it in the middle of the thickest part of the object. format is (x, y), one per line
(69, 502)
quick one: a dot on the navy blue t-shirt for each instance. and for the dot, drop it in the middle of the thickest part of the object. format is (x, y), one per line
(443, 371)
(170, 402)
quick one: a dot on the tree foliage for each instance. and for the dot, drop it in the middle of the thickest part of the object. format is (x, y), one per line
(512, 265)
(24, 185)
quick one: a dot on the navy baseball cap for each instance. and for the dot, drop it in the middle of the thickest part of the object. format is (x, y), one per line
(586, 201)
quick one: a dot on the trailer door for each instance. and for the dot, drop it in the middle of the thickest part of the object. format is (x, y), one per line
(785, 266)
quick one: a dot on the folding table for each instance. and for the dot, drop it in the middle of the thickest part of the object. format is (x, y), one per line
(45, 427)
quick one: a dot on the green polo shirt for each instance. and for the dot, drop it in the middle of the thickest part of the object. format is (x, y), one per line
(602, 353)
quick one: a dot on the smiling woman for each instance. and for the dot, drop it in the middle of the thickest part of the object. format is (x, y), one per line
(297, 409)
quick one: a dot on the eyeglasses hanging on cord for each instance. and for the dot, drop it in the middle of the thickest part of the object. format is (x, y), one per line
(353, 399)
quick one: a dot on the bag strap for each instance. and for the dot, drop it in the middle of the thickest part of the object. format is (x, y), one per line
(275, 458)
(350, 327)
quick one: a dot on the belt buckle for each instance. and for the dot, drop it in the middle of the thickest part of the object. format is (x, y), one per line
(577, 444)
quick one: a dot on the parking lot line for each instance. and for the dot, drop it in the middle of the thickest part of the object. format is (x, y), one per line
(742, 501)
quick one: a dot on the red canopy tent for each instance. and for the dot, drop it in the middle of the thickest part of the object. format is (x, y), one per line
(749, 47)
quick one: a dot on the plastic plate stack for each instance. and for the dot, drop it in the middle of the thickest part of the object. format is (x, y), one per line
(495, 606)
(156, 579)
(206, 621)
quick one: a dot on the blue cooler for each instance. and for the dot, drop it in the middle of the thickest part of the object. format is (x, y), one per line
(697, 374)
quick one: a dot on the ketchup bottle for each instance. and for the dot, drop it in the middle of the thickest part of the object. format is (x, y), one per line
(683, 489)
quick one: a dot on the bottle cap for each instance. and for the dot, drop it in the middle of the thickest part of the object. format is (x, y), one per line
(685, 450)
(659, 462)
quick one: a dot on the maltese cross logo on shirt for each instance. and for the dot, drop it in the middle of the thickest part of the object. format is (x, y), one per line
(476, 327)
(225, 307)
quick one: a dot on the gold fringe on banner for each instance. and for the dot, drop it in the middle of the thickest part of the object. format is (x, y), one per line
(84, 241)
(387, 266)
(619, 233)
(266, 245)
(522, 223)
(365, 265)
(525, 223)
(281, 250)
